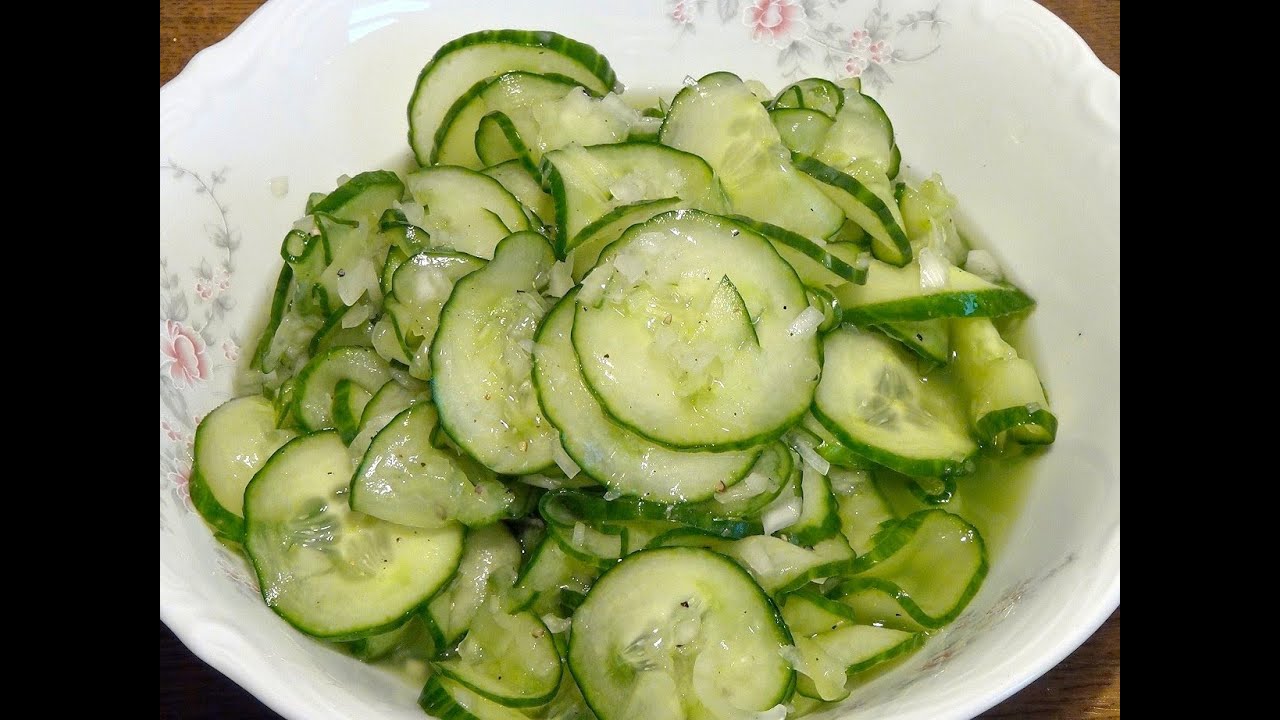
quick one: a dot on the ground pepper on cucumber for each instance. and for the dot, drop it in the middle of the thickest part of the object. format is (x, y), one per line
(658, 412)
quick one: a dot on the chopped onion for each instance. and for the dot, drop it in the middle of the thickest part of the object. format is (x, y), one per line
(355, 316)
(354, 281)
(631, 267)
(306, 224)
(628, 189)
(579, 534)
(612, 494)
(933, 269)
(343, 179)
(566, 463)
(750, 486)
(806, 323)
(279, 185)
(791, 654)
(414, 213)
(560, 280)
(810, 456)
(984, 265)
(556, 624)
(594, 283)
(781, 513)
(541, 481)
(689, 81)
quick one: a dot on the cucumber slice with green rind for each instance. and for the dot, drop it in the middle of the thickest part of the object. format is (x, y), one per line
(812, 262)
(317, 382)
(921, 575)
(328, 571)
(871, 399)
(816, 94)
(801, 130)
(509, 659)
(1005, 393)
(449, 699)
(706, 637)
(490, 558)
(609, 453)
(232, 443)
(930, 339)
(657, 359)
(522, 184)
(861, 194)
(894, 295)
(862, 508)
(471, 58)
(482, 362)
(467, 212)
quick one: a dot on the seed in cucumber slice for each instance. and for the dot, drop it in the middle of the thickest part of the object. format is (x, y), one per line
(679, 632)
(669, 362)
(461, 63)
(329, 571)
(872, 400)
(231, 444)
(482, 362)
(616, 457)
(404, 479)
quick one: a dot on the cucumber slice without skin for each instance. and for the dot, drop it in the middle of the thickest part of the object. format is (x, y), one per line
(704, 642)
(658, 361)
(331, 572)
(461, 63)
(618, 458)
(871, 399)
(481, 360)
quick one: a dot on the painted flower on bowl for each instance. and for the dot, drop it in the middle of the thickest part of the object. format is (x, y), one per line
(182, 354)
(774, 21)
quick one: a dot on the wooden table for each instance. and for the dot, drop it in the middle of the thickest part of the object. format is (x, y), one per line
(1085, 685)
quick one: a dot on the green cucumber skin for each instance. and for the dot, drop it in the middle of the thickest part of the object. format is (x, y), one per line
(354, 187)
(279, 303)
(993, 423)
(966, 303)
(225, 524)
(518, 145)
(830, 176)
(938, 468)
(810, 249)
(585, 55)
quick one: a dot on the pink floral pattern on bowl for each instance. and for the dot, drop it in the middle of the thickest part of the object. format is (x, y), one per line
(824, 37)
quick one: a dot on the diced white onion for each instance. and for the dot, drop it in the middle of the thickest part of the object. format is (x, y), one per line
(791, 654)
(781, 513)
(560, 279)
(594, 283)
(806, 323)
(306, 224)
(279, 185)
(810, 456)
(984, 265)
(356, 280)
(541, 481)
(749, 487)
(414, 213)
(342, 179)
(628, 189)
(556, 624)
(933, 269)
(631, 267)
(355, 316)
(690, 81)
(612, 494)
(579, 534)
(566, 463)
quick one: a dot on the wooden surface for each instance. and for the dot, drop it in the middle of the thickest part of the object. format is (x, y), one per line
(1085, 685)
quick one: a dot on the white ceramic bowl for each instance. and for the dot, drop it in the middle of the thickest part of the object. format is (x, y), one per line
(999, 96)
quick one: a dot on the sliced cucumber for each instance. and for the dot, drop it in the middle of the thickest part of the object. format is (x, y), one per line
(390, 400)
(509, 659)
(348, 221)
(349, 400)
(331, 572)
(829, 448)
(863, 509)
(422, 285)
(1004, 390)
(873, 402)
(864, 195)
(801, 130)
(812, 260)
(812, 93)
(404, 479)
(518, 181)
(703, 642)
(449, 699)
(490, 557)
(828, 658)
(482, 360)
(920, 575)
(818, 517)
(862, 133)
(611, 454)
(318, 381)
(602, 233)
(459, 64)
(930, 339)
(591, 183)
(668, 362)
(719, 119)
(893, 295)
(513, 93)
(547, 575)
(466, 211)
(231, 444)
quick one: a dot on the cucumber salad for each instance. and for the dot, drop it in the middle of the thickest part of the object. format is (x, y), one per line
(621, 409)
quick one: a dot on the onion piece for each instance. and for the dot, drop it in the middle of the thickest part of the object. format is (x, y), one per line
(556, 624)
(984, 265)
(781, 513)
(749, 487)
(279, 185)
(934, 268)
(806, 323)
(566, 463)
